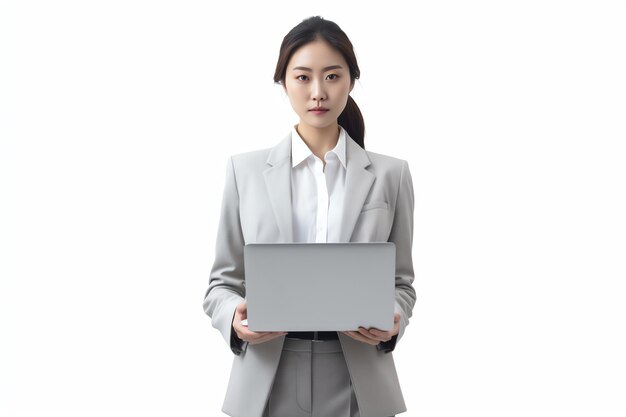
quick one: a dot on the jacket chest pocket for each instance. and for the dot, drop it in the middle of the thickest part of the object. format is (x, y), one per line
(373, 223)
(376, 204)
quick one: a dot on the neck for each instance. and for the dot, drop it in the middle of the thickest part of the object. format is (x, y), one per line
(321, 140)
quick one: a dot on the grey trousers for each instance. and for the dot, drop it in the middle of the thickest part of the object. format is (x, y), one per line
(312, 380)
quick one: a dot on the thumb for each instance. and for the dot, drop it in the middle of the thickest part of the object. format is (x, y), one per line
(242, 307)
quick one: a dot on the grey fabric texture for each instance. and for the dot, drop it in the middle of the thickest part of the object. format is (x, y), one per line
(256, 208)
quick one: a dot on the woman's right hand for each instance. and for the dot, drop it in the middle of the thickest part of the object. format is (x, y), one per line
(241, 313)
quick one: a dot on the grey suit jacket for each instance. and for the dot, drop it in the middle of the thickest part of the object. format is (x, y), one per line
(256, 208)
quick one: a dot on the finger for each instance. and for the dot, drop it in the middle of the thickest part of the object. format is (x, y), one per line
(258, 340)
(241, 311)
(366, 339)
(244, 333)
(250, 336)
(239, 316)
(358, 336)
(241, 329)
(363, 331)
(384, 336)
(266, 337)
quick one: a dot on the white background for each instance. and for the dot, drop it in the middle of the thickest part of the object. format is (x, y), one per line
(117, 119)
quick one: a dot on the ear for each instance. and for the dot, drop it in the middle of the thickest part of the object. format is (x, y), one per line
(351, 85)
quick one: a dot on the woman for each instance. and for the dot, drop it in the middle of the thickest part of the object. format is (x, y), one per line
(318, 184)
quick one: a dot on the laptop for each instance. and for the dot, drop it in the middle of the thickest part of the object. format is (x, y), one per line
(320, 286)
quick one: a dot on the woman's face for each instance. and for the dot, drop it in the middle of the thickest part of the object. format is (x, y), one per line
(318, 75)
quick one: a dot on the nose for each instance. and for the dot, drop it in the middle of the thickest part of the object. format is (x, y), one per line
(317, 91)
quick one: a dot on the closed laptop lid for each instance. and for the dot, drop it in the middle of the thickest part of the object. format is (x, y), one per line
(320, 286)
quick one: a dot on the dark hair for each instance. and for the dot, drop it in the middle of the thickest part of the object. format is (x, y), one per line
(312, 29)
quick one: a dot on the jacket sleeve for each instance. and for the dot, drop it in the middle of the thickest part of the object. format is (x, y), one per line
(226, 280)
(402, 236)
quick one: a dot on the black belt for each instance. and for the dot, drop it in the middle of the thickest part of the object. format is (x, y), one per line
(313, 335)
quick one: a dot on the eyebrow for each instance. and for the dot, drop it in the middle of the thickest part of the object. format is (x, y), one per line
(330, 67)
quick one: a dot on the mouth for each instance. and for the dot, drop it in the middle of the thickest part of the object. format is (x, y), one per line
(318, 109)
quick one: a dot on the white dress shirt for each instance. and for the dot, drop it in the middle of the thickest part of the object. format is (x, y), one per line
(317, 193)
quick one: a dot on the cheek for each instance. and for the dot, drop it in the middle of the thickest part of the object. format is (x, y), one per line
(343, 91)
(295, 94)
(344, 94)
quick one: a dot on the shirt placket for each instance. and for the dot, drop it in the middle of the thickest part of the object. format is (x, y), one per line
(321, 226)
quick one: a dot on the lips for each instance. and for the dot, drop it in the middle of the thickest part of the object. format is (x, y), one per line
(318, 109)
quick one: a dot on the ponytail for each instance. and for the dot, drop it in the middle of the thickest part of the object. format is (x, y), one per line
(351, 120)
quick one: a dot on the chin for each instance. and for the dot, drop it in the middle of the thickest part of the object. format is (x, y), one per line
(319, 124)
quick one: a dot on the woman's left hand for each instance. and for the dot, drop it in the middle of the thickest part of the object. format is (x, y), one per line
(373, 336)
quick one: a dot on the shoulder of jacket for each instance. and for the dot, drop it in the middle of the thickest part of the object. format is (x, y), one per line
(386, 160)
(251, 157)
(257, 153)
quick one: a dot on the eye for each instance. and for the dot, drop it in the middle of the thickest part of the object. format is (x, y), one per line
(329, 75)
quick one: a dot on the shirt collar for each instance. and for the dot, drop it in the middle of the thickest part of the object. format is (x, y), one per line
(300, 151)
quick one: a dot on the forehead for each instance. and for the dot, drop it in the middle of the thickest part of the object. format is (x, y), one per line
(316, 55)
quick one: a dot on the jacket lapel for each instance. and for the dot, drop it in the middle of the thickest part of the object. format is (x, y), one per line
(278, 183)
(358, 183)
